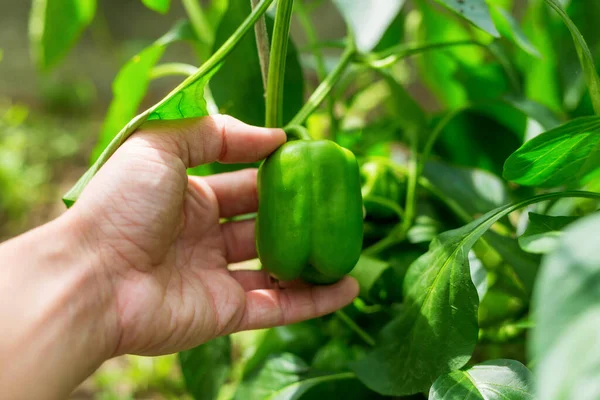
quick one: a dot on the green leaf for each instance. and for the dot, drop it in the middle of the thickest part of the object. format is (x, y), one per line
(475, 190)
(237, 87)
(585, 55)
(566, 306)
(543, 233)
(161, 6)
(55, 26)
(206, 367)
(490, 380)
(561, 156)
(185, 101)
(510, 29)
(368, 19)
(367, 271)
(437, 331)
(476, 12)
(131, 84)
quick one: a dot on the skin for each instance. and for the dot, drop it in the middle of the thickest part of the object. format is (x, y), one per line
(139, 264)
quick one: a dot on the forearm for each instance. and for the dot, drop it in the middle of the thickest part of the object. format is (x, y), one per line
(55, 308)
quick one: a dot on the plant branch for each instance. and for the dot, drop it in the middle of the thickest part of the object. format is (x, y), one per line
(313, 43)
(172, 69)
(325, 87)
(281, 32)
(357, 329)
(262, 45)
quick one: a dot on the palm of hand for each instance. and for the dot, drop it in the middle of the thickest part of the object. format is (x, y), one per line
(161, 235)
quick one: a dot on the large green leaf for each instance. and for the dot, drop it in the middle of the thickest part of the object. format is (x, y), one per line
(543, 233)
(237, 87)
(490, 380)
(131, 84)
(562, 156)
(206, 368)
(476, 12)
(185, 101)
(161, 6)
(437, 330)
(55, 26)
(368, 19)
(565, 342)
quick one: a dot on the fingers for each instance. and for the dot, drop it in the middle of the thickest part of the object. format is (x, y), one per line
(235, 191)
(255, 280)
(204, 140)
(273, 307)
(239, 240)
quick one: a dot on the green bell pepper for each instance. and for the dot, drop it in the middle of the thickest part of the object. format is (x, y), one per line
(310, 216)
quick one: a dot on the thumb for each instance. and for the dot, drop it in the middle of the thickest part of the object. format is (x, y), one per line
(208, 139)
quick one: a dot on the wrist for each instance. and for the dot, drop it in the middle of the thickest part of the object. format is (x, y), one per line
(56, 304)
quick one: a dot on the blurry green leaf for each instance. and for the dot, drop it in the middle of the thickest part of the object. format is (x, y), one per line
(368, 19)
(585, 56)
(131, 84)
(206, 367)
(333, 356)
(55, 26)
(474, 11)
(490, 380)
(540, 75)
(161, 6)
(437, 330)
(237, 87)
(367, 271)
(301, 339)
(510, 29)
(565, 342)
(543, 233)
(561, 156)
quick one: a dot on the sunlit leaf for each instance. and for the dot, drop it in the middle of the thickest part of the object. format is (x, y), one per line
(161, 6)
(490, 380)
(562, 156)
(55, 26)
(368, 19)
(367, 271)
(475, 11)
(206, 368)
(543, 233)
(565, 342)
(131, 84)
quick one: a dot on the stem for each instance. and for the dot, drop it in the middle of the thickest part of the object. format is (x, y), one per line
(325, 87)
(73, 194)
(172, 69)
(397, 235)
(435, 134)
(262, 45)
(200, 24)
(411, 187)
(357, 329)
(281, 32)
(382, 201)
(313, 43)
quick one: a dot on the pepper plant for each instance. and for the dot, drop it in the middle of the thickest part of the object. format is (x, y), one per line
(476, 127)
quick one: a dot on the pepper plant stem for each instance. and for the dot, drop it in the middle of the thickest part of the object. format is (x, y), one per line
(262, 45)
(281, 32)
(325, 87)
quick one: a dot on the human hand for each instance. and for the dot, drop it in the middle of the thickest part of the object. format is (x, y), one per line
(164, 251)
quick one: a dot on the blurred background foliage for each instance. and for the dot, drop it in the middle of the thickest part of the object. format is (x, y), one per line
(50, 120)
